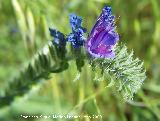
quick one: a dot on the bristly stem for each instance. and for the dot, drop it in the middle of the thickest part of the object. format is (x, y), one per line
(40, 67)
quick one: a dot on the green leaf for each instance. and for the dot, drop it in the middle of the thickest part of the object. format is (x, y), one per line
(127, 73)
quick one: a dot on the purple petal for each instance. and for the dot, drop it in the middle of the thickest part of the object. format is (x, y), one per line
(95, 41)
(110, 38)
(103, 36)
(102, 52)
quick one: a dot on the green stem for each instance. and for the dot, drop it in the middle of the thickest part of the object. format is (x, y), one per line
(39, 68)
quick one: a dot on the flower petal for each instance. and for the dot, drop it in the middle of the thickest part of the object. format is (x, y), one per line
(103, 35)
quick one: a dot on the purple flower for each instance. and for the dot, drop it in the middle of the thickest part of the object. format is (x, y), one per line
(103, 36)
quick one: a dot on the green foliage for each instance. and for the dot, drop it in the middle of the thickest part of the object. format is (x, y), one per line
(125, 72)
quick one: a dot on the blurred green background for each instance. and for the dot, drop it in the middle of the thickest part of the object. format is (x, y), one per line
(24, 30)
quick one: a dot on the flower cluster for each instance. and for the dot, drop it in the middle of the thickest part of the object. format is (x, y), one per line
(103, 36)
(101, 40)
(77, 36)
